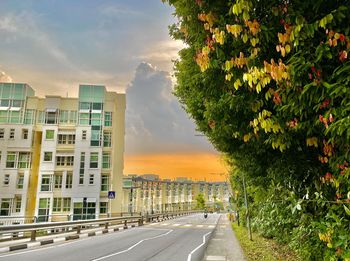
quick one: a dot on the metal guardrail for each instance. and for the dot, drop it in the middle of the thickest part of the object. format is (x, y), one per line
(13, 231)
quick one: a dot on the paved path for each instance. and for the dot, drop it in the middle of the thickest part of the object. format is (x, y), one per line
(223, 245)
(180, 239)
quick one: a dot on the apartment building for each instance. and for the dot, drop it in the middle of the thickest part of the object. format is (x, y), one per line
(60, 156)
(150, 194)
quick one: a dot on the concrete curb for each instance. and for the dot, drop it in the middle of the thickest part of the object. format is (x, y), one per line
(58, 239)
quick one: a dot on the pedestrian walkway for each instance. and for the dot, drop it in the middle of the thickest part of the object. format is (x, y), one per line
(223, 245)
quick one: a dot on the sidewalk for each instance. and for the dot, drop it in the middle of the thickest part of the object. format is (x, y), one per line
(223, 245)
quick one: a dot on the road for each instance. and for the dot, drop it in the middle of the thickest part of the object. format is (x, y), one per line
(184, 238)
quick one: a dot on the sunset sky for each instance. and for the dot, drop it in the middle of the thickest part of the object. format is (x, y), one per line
(54, 45)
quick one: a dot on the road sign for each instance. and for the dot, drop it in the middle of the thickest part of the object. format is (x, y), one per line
(111, 194)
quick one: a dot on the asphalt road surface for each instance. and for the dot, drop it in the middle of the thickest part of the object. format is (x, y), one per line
(181, 239)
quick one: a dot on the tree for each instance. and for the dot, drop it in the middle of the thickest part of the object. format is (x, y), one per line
(200, 201)
(268, 83)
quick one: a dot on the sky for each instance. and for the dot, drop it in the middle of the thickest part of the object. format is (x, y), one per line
(55, 45)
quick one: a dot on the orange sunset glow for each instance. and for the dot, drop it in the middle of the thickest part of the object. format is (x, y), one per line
(198, 166)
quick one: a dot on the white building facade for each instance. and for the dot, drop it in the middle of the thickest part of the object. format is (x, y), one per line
(60, 156)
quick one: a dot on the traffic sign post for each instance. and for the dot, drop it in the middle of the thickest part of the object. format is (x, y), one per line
(111, 194)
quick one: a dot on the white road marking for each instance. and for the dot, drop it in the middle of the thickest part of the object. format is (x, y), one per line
(68, 243)
(200, 225)
(153, 224)
(188, 225)
(211, 226)
(216, 258)
(189, 257)
(176, 225)
(126, 250)
(165, 224)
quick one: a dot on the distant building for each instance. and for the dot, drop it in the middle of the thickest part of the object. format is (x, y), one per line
(144, 195)
(59, 157)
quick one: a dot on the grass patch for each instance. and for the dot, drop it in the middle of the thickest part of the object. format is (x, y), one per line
(262, 249)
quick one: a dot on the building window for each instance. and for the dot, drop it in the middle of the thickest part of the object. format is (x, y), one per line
(24, 134)
(5, 207)
(12, 134)
(66, 204)
(60, 161)
(64, 161)
(6, 179)
(11, 160)
(46, 181)
(84, 118)
(71, 139)
(91, 179)
(83, 134)
(69, 180)
(64, 117)
(49, 134)
(47, 156)
(57, 205)
(103, 207)
(66, 138)
(95, 136)
(58, 181)
(107, 139)
(20, 181)
(29, 116)
(44, 209)
(82, 168)
(70, 160)
(93, 160)
(2, 133)
(51, 117)
(62, 139)
(104, 182)
(18, 203)
(24, 160)
(106, 160)
(108, 118)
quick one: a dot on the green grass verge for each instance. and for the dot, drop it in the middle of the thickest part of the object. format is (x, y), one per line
(260, 248)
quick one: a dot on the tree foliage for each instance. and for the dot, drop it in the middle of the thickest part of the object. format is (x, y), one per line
(268, 82)
(200, 201)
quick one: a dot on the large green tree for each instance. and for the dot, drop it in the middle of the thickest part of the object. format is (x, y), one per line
(268, 82)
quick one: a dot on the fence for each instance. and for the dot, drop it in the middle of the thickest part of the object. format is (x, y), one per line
(32, 230)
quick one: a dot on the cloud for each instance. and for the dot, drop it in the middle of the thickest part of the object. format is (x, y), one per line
(161, 53)
(155, 121)
(4, 77)
(23, 29)
(115, 10)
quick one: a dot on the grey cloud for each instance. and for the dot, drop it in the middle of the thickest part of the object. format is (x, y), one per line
(155, 121)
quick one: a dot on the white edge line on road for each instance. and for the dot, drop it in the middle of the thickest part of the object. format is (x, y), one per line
(128, 249)
(194, 250)
(81, 238)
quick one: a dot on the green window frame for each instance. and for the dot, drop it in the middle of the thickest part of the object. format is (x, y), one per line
(104, 182)
(106, 160)
(11, 159)
(57, 205)
(108, 119)
(103, 207)
(93, 160)
(49, 134)
(48, 156)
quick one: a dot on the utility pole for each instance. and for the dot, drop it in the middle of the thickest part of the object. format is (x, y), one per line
(248, 214)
